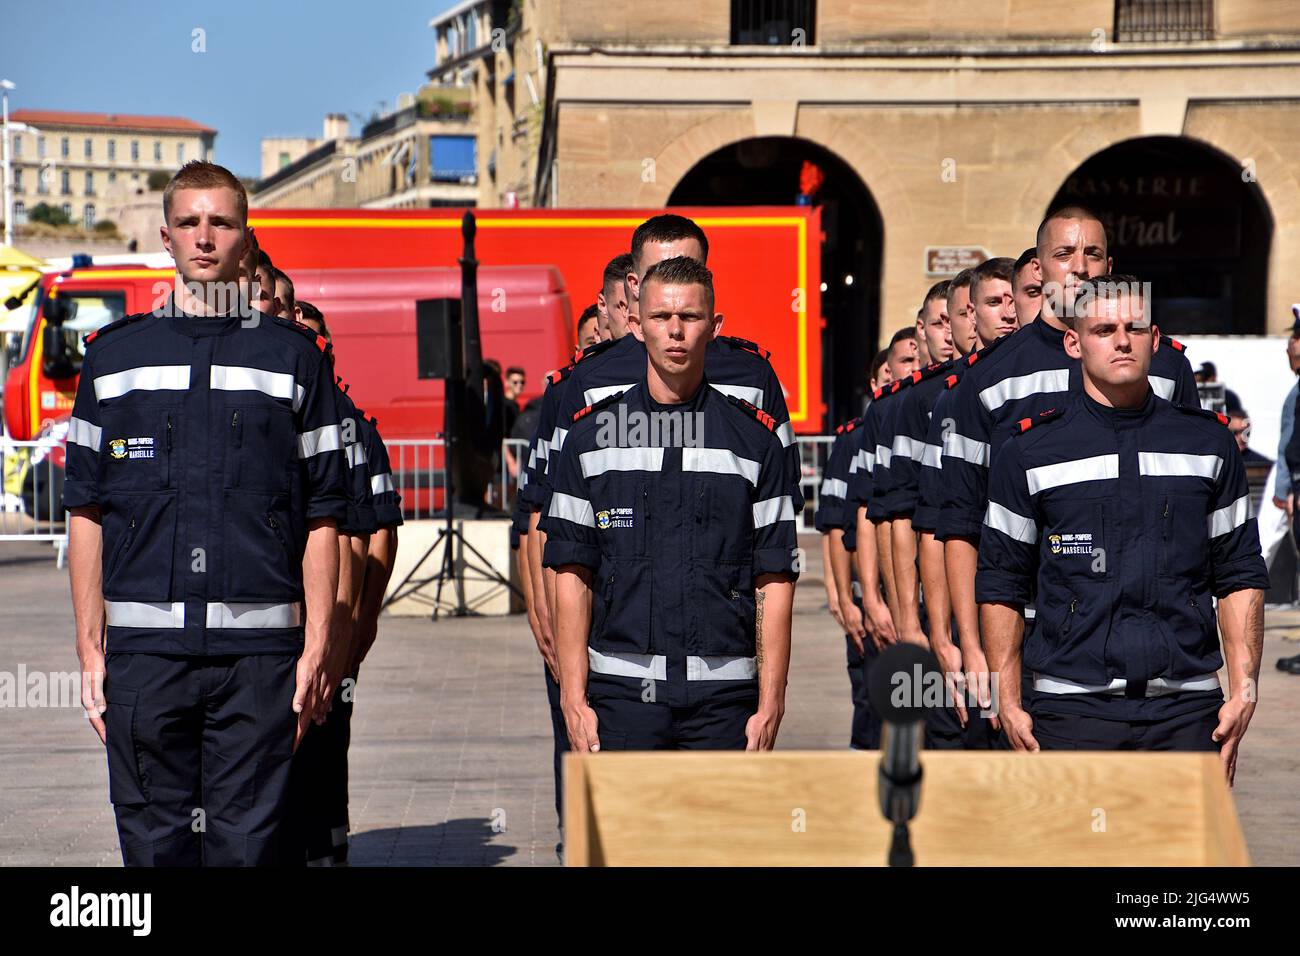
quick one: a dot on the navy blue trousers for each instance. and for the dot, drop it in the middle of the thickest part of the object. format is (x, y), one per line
(199, 751)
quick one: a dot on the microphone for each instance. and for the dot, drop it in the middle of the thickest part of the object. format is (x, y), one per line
(905, 683)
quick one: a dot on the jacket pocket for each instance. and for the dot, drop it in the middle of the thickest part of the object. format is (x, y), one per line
(263, 550)
(725, 610)
(621, 611)
(261, 447)
(140, 535)
(1184, 537)
(137, 447)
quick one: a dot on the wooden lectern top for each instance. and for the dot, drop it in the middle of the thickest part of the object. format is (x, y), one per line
(796, 808)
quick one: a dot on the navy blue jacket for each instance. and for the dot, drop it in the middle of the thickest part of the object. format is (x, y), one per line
(207, 447)
(929, 468)
(360, 518)
(675, 535)
(1128, 521)
(898, 486)
(732, 366)
(384, 499)
(1021, 374)
(835, 481)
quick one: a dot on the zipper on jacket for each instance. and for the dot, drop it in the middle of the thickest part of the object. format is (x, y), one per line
(1069, 618)
(167, 465)
(123, 549)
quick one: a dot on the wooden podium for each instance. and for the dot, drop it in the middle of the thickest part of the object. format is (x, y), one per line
(821, 809)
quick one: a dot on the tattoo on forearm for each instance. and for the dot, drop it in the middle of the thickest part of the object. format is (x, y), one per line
(758, 628)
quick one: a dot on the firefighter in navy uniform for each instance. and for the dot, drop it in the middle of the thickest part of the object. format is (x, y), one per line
(673, 535)
(317, 828)
(205, 466)
(1132, 516)
(843, 591)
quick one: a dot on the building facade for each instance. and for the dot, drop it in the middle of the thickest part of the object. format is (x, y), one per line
(934, 133)
(419, 156)
(92, 166)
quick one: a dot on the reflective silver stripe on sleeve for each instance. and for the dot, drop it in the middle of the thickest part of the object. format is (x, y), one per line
(721, 668)
(150, 378)
(1011, 524)
(82, 432)
(967, 449)
(883, 456)
(238, 378)
(325, 438)
(653, 666)
(556, 443)
(601, 460)
(931, 456)
(384, 482)
(835, 488)
(356, 454)
(576, 510)
(1231, 517)
(1164, 387)
(169, 616)
(1159, 464)
(1030, 614)
(785, 432)
(744, 392)
(1097, 468)
(907, 447)
(592, 395)
(253, 616)
(772, 510)
(720, 461)
(1022, 386)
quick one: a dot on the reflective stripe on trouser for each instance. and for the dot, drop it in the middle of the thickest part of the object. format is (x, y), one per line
(1154, 687)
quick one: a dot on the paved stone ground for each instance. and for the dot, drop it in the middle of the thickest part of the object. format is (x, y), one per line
(451, 733)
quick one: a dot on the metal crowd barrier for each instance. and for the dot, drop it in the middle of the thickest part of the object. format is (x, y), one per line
(31, 502)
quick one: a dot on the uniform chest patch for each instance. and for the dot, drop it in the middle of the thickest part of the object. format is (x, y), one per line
(614, 518)
(131, 448)
(1070, 543)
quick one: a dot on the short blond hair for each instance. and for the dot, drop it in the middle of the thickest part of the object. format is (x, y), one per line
(199, 174)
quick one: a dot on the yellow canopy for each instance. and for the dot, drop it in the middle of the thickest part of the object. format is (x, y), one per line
(11, 258)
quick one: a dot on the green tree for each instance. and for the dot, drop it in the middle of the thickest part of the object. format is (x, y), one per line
(51, 215)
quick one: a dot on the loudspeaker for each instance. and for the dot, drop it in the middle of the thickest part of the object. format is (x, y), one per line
(438, 339)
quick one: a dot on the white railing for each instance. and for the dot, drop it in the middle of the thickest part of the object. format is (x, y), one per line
(31, 505)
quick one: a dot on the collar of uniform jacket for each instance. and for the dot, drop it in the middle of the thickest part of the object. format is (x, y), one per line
(195, 325)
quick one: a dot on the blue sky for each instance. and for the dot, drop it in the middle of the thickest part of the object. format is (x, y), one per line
(272, 68)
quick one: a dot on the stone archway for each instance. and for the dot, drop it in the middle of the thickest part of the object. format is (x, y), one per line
(765, 171)
(1181, 215)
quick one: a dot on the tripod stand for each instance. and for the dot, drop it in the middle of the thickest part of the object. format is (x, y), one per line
(452, 539)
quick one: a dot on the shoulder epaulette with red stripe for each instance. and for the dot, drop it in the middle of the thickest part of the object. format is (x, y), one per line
(930, 371)
(321, 342)
(952, 380)
(594, 349)
(975, 356)
(113, 326)
(754, 412)
(848, 426)
(584, 412)
(1174, 343)
(1025, 424)
(1219, 417)
(560, 374)
(747, 345)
